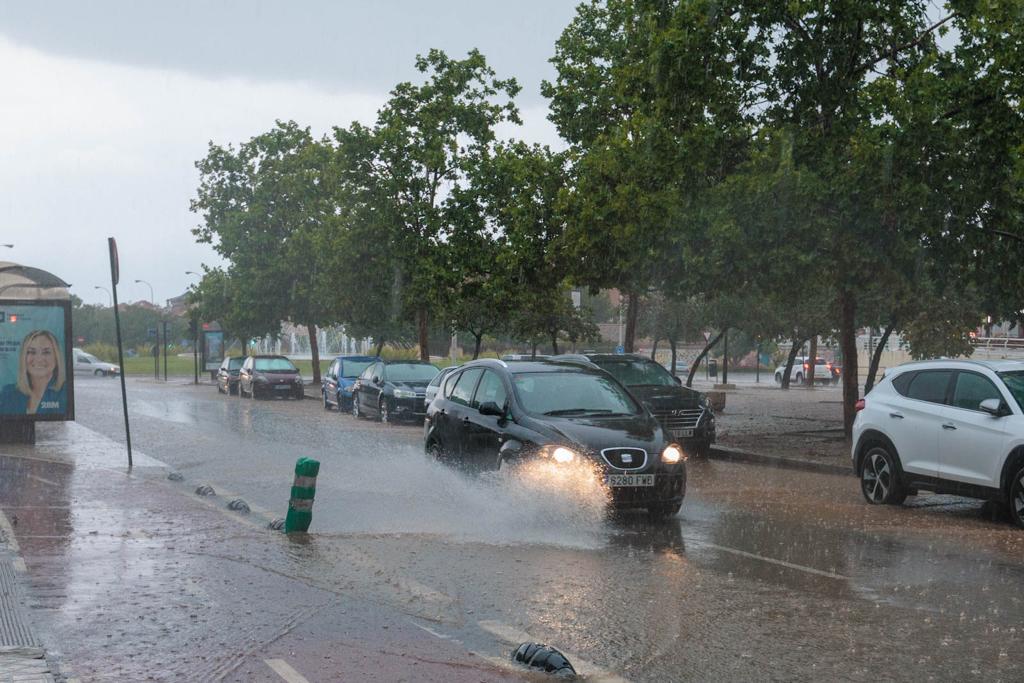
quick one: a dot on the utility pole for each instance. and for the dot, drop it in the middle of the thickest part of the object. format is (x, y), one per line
(164, 323)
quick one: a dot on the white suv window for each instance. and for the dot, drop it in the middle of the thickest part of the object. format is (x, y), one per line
(971, 389)
(930, 385)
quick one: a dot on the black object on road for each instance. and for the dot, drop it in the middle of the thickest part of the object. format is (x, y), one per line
(544, 657)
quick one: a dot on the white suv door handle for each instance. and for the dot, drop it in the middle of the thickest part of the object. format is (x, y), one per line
(896, 415)
(949, 426)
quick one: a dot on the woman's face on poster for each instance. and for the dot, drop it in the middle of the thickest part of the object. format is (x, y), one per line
(40, 359)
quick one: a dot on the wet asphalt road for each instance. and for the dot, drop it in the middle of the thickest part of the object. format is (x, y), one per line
(766, 574)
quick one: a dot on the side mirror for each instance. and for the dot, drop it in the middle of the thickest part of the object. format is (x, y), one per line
(491, 408)
(992, 406)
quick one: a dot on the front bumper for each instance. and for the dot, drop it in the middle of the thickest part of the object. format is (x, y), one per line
(409, 408)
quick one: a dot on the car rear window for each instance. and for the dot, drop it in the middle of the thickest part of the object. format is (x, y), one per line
(930, 385)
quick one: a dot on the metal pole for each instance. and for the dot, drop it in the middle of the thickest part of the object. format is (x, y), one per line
(114, 276)
(195, 348)
(164, 322)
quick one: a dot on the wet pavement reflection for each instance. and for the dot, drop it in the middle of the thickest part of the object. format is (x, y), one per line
(764, 574)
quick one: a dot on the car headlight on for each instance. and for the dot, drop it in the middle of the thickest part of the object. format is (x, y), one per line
(672, 454)
(560, 454)
(404, 393)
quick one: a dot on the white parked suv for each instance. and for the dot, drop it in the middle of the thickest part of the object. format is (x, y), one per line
(949, 426)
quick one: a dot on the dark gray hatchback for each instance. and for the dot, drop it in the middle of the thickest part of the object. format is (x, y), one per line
(491, 412)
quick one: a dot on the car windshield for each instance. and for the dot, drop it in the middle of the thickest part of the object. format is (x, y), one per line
(411, 372)
(350, 369)
(235, 363)
(91, 358)
(572, 394)
(634, 373)
(1014, 381)
(274, 365)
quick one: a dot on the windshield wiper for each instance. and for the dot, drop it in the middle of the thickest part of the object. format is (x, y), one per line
(581, 411)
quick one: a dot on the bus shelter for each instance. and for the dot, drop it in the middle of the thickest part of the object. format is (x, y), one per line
(36, 370)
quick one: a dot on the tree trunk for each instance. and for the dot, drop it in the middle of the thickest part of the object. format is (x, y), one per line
(654, 350)
(812, 356)
(848, 343)
(423, 333)
(533, 353)
(672, 345)
(632, 314)
(380, 346)
(876, 357)
(554, 344)
(314, 349)
(725, 358)
(787, 372)
(696, 363)
(476, 347)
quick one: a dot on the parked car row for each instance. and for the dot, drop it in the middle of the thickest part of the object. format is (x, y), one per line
(825, 372)
(260, 377)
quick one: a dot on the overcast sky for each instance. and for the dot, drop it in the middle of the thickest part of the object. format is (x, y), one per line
(106, 106)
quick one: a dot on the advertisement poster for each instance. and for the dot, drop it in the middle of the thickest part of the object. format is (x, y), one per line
(213, 349)
(35, 361)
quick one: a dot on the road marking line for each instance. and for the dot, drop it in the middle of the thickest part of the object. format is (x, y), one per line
(509, 635)
(282, 669)
(436, 634)
(771, 560)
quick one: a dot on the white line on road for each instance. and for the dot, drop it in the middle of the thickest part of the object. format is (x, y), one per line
(591, 671)
(282, 669)
(45, 481)
(770, 560)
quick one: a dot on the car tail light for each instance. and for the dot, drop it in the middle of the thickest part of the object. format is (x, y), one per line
(859, 405)
(806, 365)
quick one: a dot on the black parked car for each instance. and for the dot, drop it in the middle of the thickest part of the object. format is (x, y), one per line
(392, 390)
(227, 374)
(267, 376)
(684, 413)
(490, 412)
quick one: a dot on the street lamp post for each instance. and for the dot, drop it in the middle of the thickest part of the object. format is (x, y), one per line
(152, 299)
(195, 337)
(109, 295)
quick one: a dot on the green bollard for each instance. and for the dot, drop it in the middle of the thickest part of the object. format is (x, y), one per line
(300, 507)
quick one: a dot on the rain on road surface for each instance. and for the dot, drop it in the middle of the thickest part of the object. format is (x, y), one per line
(765, 574)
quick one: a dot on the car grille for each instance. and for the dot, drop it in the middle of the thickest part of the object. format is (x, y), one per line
(625, 458)
(419, 405)
(680, 419)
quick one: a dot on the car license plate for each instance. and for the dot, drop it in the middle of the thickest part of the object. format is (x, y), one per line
(282, 387)
(682, 433)
(629, 480)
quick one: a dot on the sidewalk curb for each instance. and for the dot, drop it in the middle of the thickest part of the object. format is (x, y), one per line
(739, 455)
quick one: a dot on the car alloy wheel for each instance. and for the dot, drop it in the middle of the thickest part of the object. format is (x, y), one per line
(778, 378)
(1017, 498)
(97, 372)
(383, 412)
(435, 452)
(327, 406)
(799, 379)
(355, 407)
(879, 479)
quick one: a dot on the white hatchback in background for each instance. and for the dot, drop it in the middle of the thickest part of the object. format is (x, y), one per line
(88, 364)
(950, 426)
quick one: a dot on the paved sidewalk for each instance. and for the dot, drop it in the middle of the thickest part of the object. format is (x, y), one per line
(800, 428)
(129, 576)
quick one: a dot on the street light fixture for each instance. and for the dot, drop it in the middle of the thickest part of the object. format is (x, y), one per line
(152, 299)
(109, 295)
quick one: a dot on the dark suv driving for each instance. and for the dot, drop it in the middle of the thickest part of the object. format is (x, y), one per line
(684, 413)
(490, 412)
